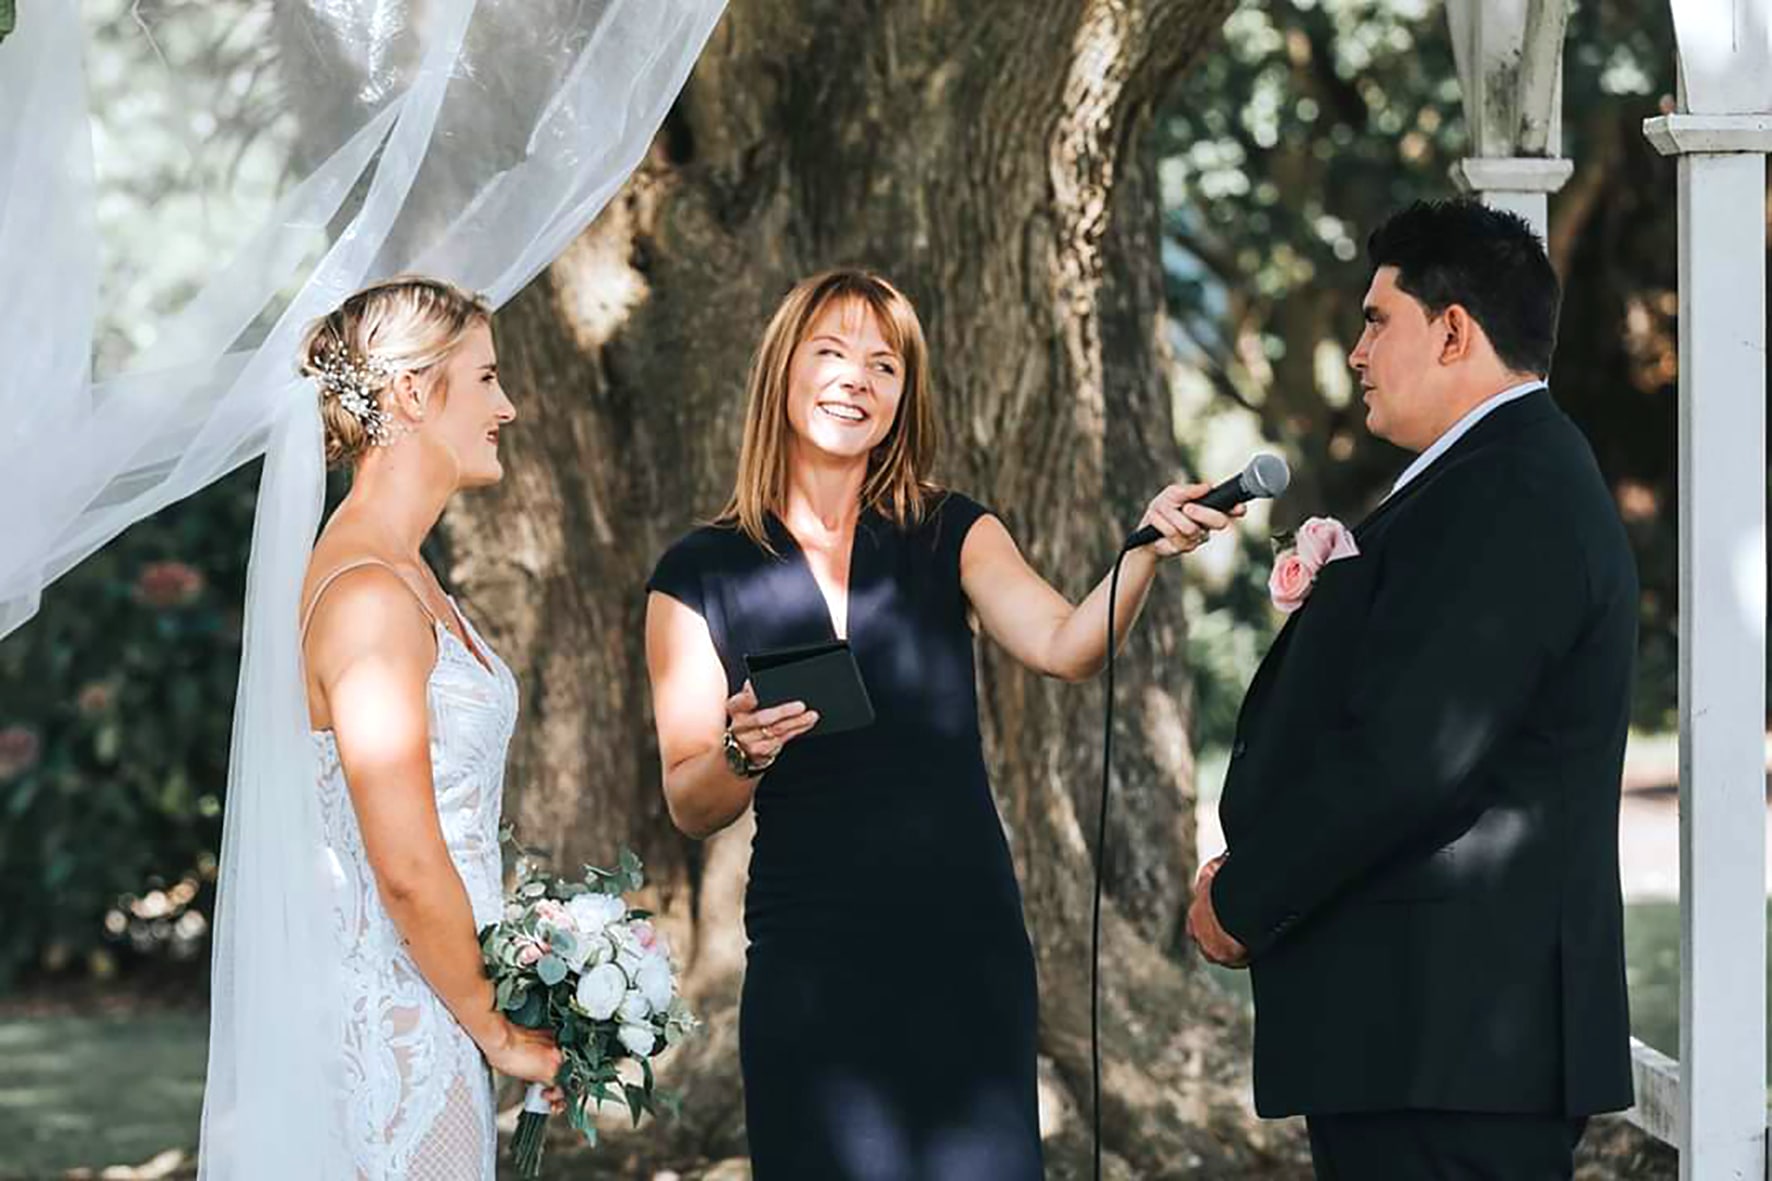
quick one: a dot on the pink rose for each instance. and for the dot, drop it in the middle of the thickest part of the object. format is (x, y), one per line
(1290, 582)
(644, 935)
(531, 952)
(550, 911)
(1322, 540)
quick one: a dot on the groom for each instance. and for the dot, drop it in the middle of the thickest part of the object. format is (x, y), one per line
(1422, 802)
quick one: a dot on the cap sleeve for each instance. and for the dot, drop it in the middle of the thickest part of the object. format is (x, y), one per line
(953, 518)
(680, 572)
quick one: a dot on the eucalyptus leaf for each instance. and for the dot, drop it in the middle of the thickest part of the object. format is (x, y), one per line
(533, 1012)
(636, 1097)
(551, 968)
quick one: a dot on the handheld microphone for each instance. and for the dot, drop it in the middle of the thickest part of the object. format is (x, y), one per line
(1265, 476)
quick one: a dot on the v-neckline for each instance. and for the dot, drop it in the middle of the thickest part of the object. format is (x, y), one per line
(848, 587)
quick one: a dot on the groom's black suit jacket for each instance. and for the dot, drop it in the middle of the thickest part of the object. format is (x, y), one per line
(1422, 802)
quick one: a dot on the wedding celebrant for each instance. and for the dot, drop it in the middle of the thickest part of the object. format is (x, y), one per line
(879, 863)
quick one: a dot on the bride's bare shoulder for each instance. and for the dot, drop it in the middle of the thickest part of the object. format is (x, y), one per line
(358, 601)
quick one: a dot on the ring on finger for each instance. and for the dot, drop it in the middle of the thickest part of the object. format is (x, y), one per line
(768, 733)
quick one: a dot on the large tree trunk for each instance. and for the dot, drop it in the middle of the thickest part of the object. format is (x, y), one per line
(987, 155)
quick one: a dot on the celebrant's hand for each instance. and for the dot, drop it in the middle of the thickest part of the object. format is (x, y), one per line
(762, 733)
(1185, 526)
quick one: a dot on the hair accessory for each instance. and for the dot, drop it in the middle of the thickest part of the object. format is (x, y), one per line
(357, 381)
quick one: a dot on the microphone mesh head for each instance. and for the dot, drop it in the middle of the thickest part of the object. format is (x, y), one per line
(1266, 475)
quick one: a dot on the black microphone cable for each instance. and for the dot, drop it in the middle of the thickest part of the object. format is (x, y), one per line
(1107, 763)
(1264, 476)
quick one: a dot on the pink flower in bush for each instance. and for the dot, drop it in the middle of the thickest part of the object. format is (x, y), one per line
(95, 698)
(168, 584)
(19, 751)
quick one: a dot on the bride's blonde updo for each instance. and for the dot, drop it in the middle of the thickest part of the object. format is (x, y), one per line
(406, 324)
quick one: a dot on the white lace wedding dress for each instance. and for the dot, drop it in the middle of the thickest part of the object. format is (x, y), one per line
(416, 1096)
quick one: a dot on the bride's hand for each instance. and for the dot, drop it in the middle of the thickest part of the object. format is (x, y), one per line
(527, 1054)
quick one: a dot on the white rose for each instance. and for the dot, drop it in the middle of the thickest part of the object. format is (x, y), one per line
(639, 1039)
(592, 912)
(634, 1008)
(654, 981)
(600, 991)
(581, 952)
(596, 950)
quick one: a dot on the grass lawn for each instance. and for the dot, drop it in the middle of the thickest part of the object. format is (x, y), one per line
(95, 1091)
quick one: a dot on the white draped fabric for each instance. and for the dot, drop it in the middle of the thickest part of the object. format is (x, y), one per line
(470, 140)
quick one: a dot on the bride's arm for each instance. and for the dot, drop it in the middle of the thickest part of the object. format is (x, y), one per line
(371, 651)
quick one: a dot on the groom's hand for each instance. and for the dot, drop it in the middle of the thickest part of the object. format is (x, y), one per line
(1203, 927)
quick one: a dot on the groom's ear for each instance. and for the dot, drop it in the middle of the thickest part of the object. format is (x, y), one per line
(1461, 333)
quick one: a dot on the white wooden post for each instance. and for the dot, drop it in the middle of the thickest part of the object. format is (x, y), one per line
(1722, 639)
(1510, 56)
(1721, 135)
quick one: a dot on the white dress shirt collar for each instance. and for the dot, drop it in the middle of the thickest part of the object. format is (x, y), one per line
(1460, 428)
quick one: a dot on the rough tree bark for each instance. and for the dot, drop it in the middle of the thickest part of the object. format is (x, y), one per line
(989, 156)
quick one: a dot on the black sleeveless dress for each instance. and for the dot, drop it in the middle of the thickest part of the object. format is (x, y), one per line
(887, 1026)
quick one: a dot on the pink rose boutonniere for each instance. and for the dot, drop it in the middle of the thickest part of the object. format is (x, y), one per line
(1302, 555)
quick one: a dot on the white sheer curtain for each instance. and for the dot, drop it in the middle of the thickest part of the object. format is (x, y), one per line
(466, 139)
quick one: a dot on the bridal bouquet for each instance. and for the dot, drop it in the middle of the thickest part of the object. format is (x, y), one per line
(573, 957)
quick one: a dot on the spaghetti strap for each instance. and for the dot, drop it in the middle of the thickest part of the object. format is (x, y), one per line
(325, 583)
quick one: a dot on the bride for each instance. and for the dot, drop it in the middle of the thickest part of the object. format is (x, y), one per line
(411, 712)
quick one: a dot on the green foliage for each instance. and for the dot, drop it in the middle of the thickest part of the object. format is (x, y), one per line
(1279, 154)
(8, 18)
(116, 702)
(125, 684)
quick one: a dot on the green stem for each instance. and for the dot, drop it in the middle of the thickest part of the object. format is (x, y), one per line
(526, 1144)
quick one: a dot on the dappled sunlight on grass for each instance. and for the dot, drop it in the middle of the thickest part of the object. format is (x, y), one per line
(97, 1090)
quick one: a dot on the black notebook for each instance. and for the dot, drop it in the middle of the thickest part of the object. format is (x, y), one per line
(824, 676)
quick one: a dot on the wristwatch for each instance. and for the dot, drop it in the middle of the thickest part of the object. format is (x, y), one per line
(740, 762)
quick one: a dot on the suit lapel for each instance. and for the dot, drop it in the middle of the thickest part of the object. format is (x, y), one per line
(1498, 423)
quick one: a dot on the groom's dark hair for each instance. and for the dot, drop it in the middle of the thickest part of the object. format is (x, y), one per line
(1489, 261)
